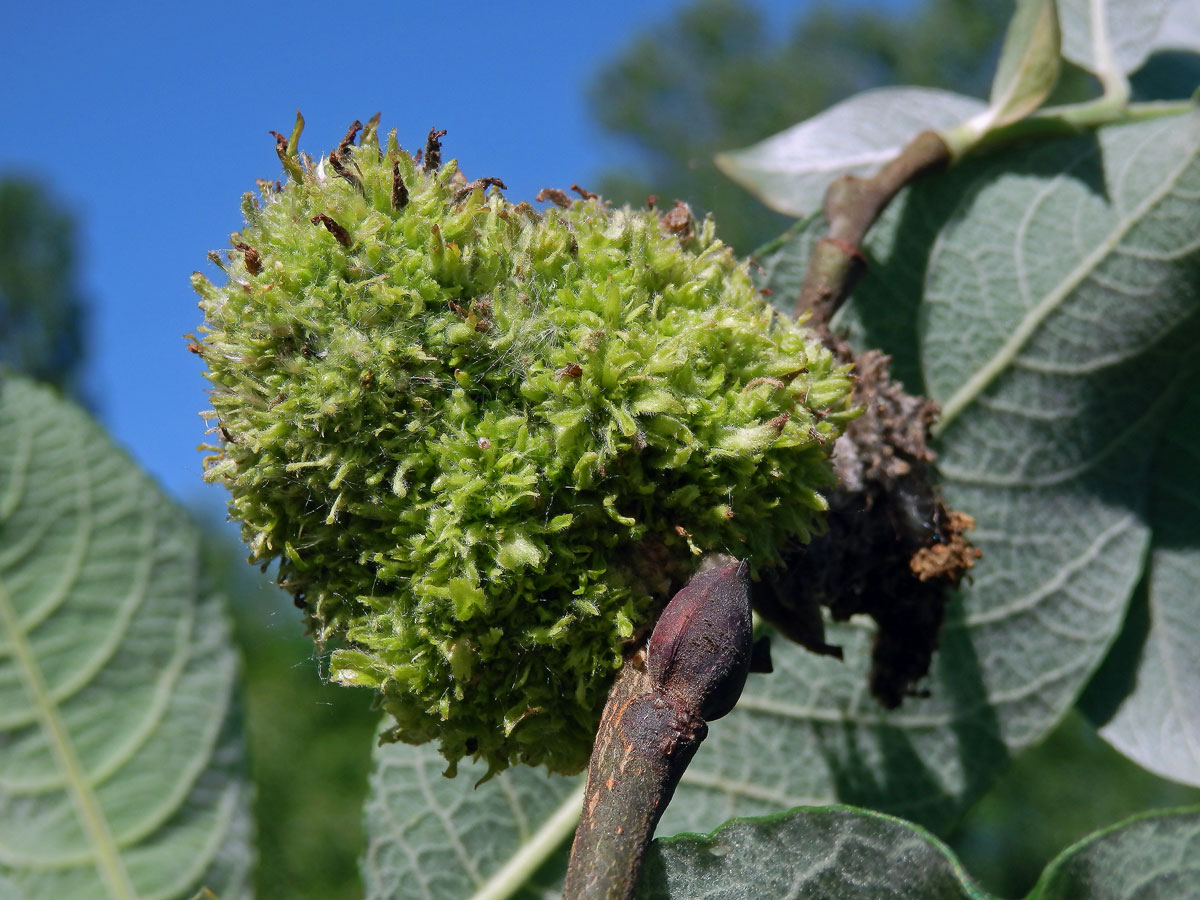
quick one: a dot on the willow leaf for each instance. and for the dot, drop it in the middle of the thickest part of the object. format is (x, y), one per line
(119, 757)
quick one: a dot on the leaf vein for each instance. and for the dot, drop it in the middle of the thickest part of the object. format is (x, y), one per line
(1062, 576)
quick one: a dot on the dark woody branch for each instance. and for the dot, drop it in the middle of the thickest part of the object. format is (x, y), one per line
(691, 671)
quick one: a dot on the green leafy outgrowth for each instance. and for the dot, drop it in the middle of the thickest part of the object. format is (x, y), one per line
(483, 441)
(118, 758)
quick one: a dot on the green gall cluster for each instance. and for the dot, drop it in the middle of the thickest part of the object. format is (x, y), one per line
(483, 442)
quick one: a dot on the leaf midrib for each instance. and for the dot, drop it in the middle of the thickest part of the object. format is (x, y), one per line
(785, 166)
(1102, 55)
(20, 468)
(107, 856)
(550, 835)
(831, 160)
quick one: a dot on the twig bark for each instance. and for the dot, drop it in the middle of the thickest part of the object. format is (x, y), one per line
(852, 204)
(692, 671)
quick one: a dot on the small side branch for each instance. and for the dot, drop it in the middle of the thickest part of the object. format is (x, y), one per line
(852, 204)
(692, 670)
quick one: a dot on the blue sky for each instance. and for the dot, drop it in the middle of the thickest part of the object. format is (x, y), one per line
(148, 121)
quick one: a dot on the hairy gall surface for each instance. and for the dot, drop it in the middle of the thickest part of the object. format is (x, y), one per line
(484, 442)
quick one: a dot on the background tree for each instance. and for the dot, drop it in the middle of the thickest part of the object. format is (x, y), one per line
(713, 79)
(43, 311)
